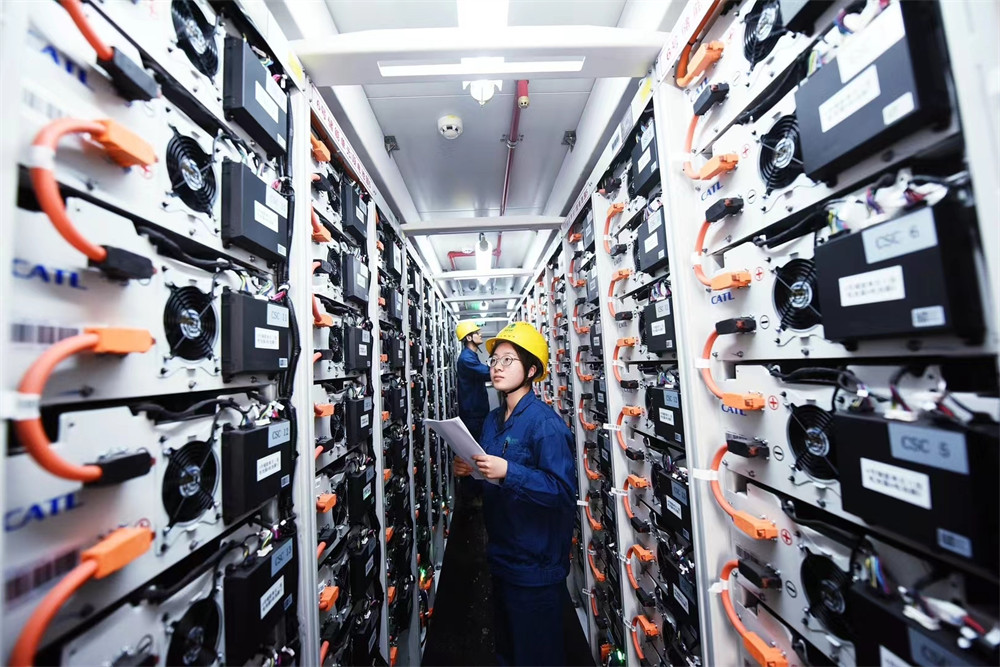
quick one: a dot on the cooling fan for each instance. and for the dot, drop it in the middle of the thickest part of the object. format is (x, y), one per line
(780, 160)
(809, 434)
(195, 36)
(195, 636)
(796, 295)
(337, 260)
(190, 171)
(189, 483)
(337, 429)
(190, 324)
(336, 344)
(762, 30)
(826, 586)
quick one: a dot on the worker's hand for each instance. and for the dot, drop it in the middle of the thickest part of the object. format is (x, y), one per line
(491, 467)
(462, 469)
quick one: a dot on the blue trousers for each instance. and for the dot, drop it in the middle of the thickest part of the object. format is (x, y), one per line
(528, 623)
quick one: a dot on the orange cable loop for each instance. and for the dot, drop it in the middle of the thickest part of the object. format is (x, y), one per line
(762, 652)
(649, 629)
(757, 528)
(75, 9)
(746, 401)
(684, 79)
(598, 575)
(613, 211)
(583, 421)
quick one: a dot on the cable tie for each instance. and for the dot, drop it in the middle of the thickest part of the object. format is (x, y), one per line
(702, 362)
(582, 503)
(696, 258)
(618, 492)
(20, 407)
(704, 473)
(619, 363)
(718, 587)
(41, 157)
(611, 427)
(586, 591)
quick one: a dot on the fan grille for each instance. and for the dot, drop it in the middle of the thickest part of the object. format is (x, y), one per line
(826, 585)
(796, 295)
(195, 36)
(762, 31)
(189, 483)
(809, 434)
(189, 323)
(780, 159)
(190, 171)
(336, 344)
(195, 636)
(336, 259)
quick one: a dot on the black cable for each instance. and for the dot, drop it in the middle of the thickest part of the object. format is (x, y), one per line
(158, 595)
(813, 222)
(169, 415)
(170, 248)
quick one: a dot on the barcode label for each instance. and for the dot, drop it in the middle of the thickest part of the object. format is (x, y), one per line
(40, 334)
(41, 105)
(21, 583)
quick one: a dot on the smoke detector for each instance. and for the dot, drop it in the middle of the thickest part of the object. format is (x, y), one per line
(450, 126)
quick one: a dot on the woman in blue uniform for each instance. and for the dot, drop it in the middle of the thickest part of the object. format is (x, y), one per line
(529, 503)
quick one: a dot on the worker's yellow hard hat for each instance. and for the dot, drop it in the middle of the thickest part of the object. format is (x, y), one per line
(466, 327)
(527, 337)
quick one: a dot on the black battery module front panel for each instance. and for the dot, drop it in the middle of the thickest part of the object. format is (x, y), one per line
(665, 413)
(255, 335)
(353, 211)
(359, 420)
(885, 83)
(357, 349)
(913, 276)
(397, 353)
(658, 326)
(395, 306)
(356, 280)
(645, 167)
(254, 215)
(256, 466)
(363, 567)
(253, 99)
(920, 479)
(361, 493)
(256, 597)
(651, 243)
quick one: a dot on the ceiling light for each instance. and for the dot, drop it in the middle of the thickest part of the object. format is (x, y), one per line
(511, 304)
(482, 69)
(484, 258)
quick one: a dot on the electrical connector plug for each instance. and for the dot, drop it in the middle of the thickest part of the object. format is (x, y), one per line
(319, 150)
(123, 146)
(322, 409)
(757, 528)
(763, 653)
(736, 325)
(129, 79)
(328, 597)
(122, 468)
(730, 280)
(123, 265)
(748, 448)
(723, 208)
(761, 576)
(118, 550)
(326, 502)
(709, 97)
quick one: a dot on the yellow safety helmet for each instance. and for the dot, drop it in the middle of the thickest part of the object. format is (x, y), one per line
(526, 337)
(466, 327)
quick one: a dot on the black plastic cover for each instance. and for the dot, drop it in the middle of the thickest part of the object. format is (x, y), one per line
(666, 415)
(357, 278)
(658, 326)
(651, 243)
(645, 172)
(255, 335)
(357, 349)
(359, 420)
(353, 211)
(253, 99)
(254, 215)
(129, 79)
(256, 466)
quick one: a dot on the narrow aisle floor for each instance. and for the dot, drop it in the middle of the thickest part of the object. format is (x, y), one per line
(461, 630)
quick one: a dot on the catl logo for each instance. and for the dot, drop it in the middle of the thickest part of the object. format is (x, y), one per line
(722, 298)
(63, 62)
(19, 517)
(733, 411)
(711, 190)
(27, 271)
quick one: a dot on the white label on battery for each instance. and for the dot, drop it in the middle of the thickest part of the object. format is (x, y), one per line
(678, 491)
(361, 214)
(371, 642)
(273, 594)
(281, 139)
(887, 658)
(277, 316)
(282, 362)
(363, 279)
(672, 398)
(367, 492)
(268, 465)
(906, 485)
(276, 202)
(674, 507)
(651, 243)
(363, 350)
(933, 447)
(662, 308)
(955, 543)
(872, 287)
(600, 397)
(365, 335)
(275, 91)
(643, 160)
(899, 237)
(265, 339)
(279, 433)
(369, 565)
(265, 216)
(658, 328)
(282, 250)
(281, 557)
(683, 601)
(899, 108)
(666, 416)
(654, 221)
(397, 258)
(265, 101)
(364, 421)
(861, 50)
(368, 404)
(929, 316)
(849, 99)
(646, 137)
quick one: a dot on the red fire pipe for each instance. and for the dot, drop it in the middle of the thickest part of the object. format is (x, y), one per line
(512, 138)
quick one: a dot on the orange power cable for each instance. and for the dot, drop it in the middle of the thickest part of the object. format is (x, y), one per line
(579, 330)
(730, 399)
(30, 431)
(594, 523)
(598, 575)
(75, 9)
(648, 628)
(579, 366)
(632, 482)
(591, 474)
(684, 78)
(324, 649)
(762, 652)
(615, 210)
(619, 344)
(622, 274)
(106, 557)
(317, 356)
(645, 555)
(583, 420)
(758, 529)
(722, 281)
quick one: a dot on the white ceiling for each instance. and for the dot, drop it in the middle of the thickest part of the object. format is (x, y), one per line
(464, 177)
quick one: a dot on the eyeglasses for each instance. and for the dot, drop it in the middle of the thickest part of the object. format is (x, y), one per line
(504, 362)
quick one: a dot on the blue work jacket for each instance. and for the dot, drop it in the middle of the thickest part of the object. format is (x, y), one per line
(473, 401)
(529, 515)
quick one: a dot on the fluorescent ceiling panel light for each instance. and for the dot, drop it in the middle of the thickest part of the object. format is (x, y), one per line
(479, 70)
(482, 13)
(511, 304)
